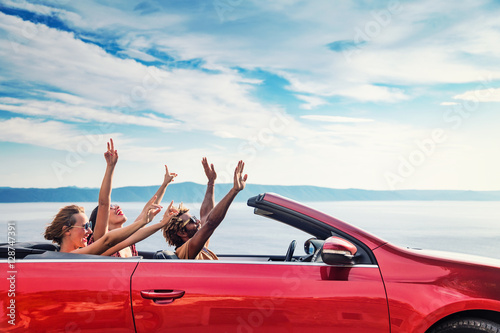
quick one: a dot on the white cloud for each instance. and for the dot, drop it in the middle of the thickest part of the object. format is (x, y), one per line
(430, 56)
(66, 137)
(375, 93)
(50, 134)
(481, 95)
(416, 50)
(138, 55)
(97, 15)
(336, 119)
(405, 51)
(311, 101)
(212, 102)
(74, 111)
(375, 136)
(35, 8)
(64, 97)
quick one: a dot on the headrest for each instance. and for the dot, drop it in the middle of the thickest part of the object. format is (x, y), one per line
(165, 254)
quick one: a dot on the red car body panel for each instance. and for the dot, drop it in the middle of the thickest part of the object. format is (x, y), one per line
(59, 296)
(235, 297)
(422, 289)
(386, 289)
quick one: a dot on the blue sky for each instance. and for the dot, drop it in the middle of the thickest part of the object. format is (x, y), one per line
(342, 94)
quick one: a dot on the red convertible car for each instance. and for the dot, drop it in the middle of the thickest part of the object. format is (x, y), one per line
(347, 281)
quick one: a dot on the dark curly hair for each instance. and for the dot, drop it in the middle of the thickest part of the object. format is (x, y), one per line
(174, 226)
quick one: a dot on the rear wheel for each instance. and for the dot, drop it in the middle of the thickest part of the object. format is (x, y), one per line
(467, 325)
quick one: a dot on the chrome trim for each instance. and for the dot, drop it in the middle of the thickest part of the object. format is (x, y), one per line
(22, 261)
(191, 261)
(279, 263)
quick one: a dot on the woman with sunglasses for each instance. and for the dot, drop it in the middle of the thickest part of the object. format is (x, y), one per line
(70, 227)
(116, 219)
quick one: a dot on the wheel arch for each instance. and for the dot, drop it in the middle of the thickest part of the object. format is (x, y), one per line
(490, 315)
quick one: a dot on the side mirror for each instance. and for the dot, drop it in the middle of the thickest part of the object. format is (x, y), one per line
(338, 251)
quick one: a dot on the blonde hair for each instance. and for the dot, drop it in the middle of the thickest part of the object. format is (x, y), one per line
(64, 219)
(174, 226)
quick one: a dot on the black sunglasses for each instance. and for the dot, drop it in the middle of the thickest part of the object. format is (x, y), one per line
(192, 219)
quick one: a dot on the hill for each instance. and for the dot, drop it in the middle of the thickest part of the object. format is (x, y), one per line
(192, 192)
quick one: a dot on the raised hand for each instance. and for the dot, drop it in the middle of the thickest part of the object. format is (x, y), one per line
(169, 213)
(239, 179)
(111, 155)
(169, 176)
(147, 212)
(209, 170)
(152, 211)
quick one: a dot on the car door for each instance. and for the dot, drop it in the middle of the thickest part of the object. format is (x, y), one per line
(252, 296)
(67, 295)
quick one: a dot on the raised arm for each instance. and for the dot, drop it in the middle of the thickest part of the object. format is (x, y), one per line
(101, 227)
(217, 214)
(209, 201)
(144, 232)
(169, 178)
(116, 236)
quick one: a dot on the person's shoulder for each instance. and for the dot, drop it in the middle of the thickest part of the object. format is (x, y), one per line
(207, 254)
(182, 251)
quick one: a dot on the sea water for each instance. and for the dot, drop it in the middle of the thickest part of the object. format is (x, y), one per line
(458, 226)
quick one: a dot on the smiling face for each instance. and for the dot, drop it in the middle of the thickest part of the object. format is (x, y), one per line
(116, 217)
(76, 236)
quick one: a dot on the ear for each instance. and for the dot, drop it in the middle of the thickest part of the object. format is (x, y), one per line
(66, 229)
(181, 233)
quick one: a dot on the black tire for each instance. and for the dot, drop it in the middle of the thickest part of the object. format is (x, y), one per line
(467, 325)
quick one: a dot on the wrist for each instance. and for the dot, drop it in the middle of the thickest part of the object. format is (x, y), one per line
(211, 183)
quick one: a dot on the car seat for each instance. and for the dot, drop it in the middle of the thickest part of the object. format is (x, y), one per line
(165, 254)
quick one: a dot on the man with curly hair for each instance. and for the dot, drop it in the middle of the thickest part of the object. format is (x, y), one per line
(190, 235)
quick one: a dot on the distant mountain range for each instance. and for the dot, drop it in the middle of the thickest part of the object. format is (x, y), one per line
(192, 192)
